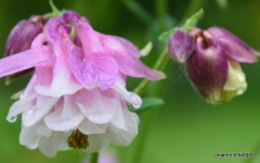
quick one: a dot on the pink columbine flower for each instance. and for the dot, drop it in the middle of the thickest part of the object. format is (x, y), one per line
(76, 97)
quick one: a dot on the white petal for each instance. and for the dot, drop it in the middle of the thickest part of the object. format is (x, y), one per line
(50, 146)
(17, 108)
(118, 119)
(64, 139)
(130, 97)
(35, 113)
(96, 107)
(60, 85)
(25, 101)
(88, 127)
(66, 116)
(44, 130)
(97, 142)
(124, 137)
(28, 136)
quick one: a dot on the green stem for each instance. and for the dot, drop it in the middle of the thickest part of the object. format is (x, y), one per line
(193, 7)
(158, 66)
(149, 116)
(161, 11)
(93, 158)
(139, 11)
(145, 128)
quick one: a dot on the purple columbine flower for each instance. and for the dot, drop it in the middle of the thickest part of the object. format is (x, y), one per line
(76, 97)
(213, 67)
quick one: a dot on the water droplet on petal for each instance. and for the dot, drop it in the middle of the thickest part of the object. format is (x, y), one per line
(136, 100)
(13, 119)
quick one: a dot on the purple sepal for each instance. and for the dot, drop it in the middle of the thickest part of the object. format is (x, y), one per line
(180, 45)
(233, 46)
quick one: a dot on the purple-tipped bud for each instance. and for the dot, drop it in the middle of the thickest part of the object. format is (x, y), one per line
(207, 68)
(233, 46)
(180, 45)
(21, 37)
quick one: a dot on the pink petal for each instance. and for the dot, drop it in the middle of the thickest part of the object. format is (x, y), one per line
(115, 42)
(88, 37)
(95, 70)
(96, 107)
(24, 60)
(63, 81)
(132, 66)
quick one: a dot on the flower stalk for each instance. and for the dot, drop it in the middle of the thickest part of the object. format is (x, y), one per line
(94, 158)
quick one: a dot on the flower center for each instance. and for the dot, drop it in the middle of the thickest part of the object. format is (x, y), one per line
(78, 140)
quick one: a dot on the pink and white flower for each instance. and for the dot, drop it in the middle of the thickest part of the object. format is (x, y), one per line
(76, 97)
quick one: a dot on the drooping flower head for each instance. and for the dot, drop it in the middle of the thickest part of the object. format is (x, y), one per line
(213, 65)
(76, 97)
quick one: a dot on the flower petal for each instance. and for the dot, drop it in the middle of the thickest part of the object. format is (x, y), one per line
(36, 112)
(63, 81)
(123, 137)
(119, 43)
(50, 145)
(88, 36)
(130, 97)
(66, 116)
(87, 127)
(28, 136)
(127, 62)
(96, 107)
(25, 102)
(97, 142)
(25, 60)
(95, 70)
(233, 46)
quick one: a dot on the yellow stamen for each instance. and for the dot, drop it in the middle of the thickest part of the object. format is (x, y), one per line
(78, 140)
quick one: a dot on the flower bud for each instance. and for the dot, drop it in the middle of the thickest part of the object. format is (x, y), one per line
(213, 67)
(180, 45)
(21, 37)
(207, 68)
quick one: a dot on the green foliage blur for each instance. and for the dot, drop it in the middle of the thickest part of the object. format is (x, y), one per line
(186, 128)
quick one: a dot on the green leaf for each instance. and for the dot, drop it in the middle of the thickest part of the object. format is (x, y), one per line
(146, 104)
(193, 20)
(166, 34)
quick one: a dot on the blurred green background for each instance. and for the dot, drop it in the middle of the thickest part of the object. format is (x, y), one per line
(186, 129)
